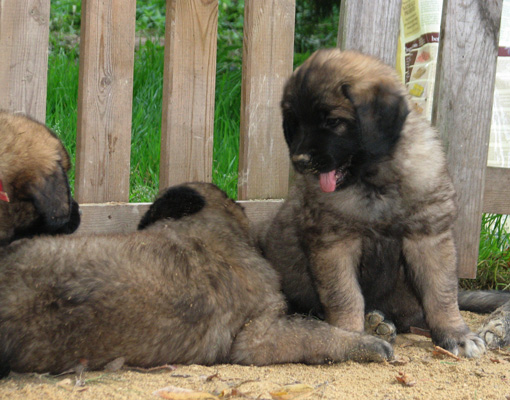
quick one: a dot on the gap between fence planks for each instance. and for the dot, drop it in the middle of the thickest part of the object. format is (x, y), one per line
(105, 96)
(188, 91)
(465, 79)
(24, 33)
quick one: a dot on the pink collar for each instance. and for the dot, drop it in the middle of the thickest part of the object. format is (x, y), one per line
(3, 195)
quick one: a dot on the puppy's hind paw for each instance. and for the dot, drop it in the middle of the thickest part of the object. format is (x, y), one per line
(371, 348)
(377, 325)
(496, 330)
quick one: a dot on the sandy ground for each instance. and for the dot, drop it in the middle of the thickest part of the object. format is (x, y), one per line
(421, 373)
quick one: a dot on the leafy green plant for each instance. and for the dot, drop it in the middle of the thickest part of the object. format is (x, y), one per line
(150, 17)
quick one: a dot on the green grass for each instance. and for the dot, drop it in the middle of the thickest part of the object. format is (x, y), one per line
(313, 30)
(494, 255)
(62, 98)
(226, 130)
(146, 123)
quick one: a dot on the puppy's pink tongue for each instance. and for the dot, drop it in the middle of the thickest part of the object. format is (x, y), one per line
(327, 181)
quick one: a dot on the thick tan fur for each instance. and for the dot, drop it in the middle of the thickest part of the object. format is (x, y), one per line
(383, 238)
(190, 288)
(33, 167)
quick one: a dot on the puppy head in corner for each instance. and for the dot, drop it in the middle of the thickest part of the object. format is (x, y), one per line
(342, 112)
(35, 196)
(195, 200)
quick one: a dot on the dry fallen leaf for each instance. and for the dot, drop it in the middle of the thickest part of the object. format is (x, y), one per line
(405, 379)
(161, 367)
(480, 373)
(399, 361)
(228, 393)
(177, 393)
(213, 376)
(66, 384)
(115, 365)
(501, 351)
(292, 392)
(498, 360)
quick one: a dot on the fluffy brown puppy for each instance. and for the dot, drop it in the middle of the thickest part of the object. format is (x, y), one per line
(34, 190)
(188, 288)
(368, 221)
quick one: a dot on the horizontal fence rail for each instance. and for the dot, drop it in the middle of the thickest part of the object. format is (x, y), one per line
(465, 75)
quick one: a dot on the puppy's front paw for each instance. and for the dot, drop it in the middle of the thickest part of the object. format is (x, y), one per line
(370, 348)
(466, 344)
(496, 330)
(377, 325)
(472, 347)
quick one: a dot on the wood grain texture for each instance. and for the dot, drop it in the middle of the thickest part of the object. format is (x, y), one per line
(463, 96)
(370, 26)
(111, 217)
(267, 63)
(105, 97)
(24, 32)
(124, 217)
(496, 198)
(188, 91)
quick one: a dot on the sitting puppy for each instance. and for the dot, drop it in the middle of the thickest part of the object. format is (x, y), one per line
(189, 287)
(368, 222)
(34, 190)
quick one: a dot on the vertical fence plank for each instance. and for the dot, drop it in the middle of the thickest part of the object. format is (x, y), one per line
(188, 91)
(24, 31)
(370, 26)
(105, 100)
(267, 63)
(466, 68)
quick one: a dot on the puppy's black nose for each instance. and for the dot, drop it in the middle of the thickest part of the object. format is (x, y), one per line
(302, 162)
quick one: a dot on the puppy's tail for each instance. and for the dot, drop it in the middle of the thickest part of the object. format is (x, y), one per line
(482, 301)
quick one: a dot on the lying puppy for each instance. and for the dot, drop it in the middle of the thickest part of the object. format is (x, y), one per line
(368, 221)
(34, 190)
(189, 287)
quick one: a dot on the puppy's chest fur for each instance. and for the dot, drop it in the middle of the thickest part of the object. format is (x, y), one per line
(366, 207)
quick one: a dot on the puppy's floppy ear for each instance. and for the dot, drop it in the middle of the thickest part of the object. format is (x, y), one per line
(380, 116)
(53, 202)
(176, 202)
(74, 219)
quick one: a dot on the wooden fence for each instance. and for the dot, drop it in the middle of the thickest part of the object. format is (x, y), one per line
(463, 97)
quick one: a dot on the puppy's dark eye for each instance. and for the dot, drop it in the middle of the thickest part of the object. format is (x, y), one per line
(334, 122)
